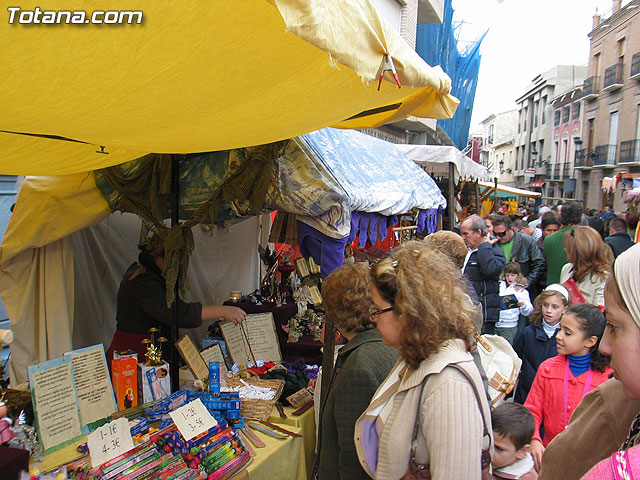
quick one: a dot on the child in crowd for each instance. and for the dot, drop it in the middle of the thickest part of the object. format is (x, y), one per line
(513, 284)
(563, 380)
(513, 428)
(537, 342)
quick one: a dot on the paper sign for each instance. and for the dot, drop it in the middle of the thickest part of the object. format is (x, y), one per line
(193, 419)
(55, 403)
(109, 441)
(193, 358)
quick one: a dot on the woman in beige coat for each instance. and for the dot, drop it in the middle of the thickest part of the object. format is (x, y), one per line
(421, 308)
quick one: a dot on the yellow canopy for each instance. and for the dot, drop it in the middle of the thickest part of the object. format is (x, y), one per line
(196, 77)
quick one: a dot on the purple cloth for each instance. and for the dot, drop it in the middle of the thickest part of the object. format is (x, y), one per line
(370, 441)
(366, 226)
(387, 221)
(326, 251)
(428, 219)
(421, 221)
(369, 226)
(355, 220)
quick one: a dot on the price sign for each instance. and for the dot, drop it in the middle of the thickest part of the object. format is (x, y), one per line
(193, 419)
(109, 441)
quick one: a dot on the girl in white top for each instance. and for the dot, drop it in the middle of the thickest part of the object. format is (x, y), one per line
(513, 283)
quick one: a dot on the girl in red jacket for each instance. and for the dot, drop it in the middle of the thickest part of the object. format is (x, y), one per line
(563, 380)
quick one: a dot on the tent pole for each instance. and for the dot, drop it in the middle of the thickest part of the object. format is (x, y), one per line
(495, 195)
(478, 205)
(452, 198)
(174, 367)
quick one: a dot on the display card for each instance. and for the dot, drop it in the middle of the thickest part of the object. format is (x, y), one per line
(252, 340)
(55, 403)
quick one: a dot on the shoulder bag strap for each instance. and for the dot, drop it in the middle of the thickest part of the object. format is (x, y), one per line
(486, 455)
(574, 290)
(416, 424)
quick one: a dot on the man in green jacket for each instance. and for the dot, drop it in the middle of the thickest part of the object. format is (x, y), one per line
(570, 216)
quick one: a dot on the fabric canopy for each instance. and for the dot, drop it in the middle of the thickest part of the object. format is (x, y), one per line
(511, 190)
(436, 159)
(196, 77)
(322, 177)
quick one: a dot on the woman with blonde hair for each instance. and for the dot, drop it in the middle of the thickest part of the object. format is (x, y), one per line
(590, 260)
(362, 364)
(431, 412)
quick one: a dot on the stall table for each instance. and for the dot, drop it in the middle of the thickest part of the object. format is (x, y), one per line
(290, 458)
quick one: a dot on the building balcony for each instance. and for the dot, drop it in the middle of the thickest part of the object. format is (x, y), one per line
(629, 152)
(566, 170)
(613, 77)
(635, 66)
(584, 158)
(590, 88)
(556, 171)
(605, 156)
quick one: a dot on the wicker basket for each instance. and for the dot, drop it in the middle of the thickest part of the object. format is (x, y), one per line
(257, 409)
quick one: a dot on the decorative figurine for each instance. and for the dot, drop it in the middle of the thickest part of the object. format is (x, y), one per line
(154, 352)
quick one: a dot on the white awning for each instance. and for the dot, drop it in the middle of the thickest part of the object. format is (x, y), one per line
(512, 190)
(437, 157)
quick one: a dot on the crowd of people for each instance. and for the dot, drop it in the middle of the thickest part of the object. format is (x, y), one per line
(408, 393)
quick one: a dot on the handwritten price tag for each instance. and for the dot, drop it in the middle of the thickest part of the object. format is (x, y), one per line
(109, 441)
(192, 419)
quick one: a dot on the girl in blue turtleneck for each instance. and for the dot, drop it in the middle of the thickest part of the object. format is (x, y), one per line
(563, 380)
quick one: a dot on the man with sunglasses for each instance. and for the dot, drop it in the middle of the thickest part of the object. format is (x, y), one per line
(520, 248)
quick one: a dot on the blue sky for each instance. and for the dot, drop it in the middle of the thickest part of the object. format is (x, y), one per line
(526, 38)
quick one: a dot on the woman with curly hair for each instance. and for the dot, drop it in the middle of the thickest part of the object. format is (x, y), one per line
(431, 411)
(362, 364)
(590, 261)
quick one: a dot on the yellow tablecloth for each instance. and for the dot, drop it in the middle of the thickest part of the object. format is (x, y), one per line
(288, 459)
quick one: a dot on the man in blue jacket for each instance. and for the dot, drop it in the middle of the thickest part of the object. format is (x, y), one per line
(483, 265)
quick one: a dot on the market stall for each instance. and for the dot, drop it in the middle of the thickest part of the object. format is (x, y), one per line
(116, 94)
(310, 175)
(489, 193)
(458, 174)
(326, 191)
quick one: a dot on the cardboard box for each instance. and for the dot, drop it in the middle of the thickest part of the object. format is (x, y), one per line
(154, 383)
(125, 382)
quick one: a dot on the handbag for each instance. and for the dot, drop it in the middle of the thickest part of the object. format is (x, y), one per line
(501, 365)
(422, 471)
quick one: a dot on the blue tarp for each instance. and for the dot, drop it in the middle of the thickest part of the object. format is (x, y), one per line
(437, 45)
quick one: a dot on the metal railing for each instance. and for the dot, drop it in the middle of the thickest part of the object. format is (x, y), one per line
(605, 155)
(556, 171)
(613, 75)
(566, 170)
(590, 86)
(629, 151)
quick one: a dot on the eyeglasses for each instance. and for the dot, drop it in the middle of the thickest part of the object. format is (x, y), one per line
(500, 234)
(375, 313)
